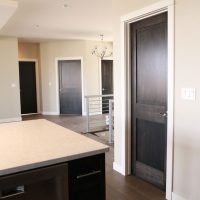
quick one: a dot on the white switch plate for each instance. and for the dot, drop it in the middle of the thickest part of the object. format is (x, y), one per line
(188, 94)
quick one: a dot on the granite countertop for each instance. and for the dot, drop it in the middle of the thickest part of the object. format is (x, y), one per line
(37, 143)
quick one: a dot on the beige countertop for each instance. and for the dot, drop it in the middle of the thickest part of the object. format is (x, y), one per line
(38, 143)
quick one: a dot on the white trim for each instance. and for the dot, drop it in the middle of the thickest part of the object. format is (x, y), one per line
(50, 113)
(147, 11)
(118, 168)
(37, 80)
(170, 106)
(57, 82)
(157, 8)
(30, 114)
(18, 119)
(177, 197)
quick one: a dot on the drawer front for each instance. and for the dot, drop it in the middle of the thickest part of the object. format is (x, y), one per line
(15, 193)
(84, 166)
(50, 183)
(87, 178)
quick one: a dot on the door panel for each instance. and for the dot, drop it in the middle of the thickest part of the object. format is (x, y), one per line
(70, 87)
(149, 98)
(151, 54)
(107, 83)
(27, 76)
(147, 134)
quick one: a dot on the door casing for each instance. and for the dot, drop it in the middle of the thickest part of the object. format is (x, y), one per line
(37, 82)
(57, 83)
(154, 9)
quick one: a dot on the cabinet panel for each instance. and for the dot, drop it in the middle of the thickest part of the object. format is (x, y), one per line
(87, 178)
(81, 179)
(50, 183)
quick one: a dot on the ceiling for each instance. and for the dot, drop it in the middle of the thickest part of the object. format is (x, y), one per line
(60, 19)
(7, 8)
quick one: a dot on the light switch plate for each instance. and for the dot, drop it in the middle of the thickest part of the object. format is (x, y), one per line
(188, 94)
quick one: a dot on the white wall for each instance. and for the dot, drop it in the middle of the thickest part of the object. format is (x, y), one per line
(67, 48)
(186, 173)
(9, 80)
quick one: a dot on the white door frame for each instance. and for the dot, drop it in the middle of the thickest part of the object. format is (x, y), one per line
(37, 82)
(100, 75)
(160, 7)
(57, 82)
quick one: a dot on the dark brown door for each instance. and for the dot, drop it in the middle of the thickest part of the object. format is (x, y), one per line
(27, 76)
(70, 87)
(107, 82)
(149, 98)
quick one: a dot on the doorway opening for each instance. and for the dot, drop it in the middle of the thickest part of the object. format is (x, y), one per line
(126, 21)
(29, 87)
(70, 86)
(106, 83)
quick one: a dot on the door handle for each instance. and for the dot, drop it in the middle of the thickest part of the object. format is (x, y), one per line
(163, 114)
(89, 174)
(15, 192)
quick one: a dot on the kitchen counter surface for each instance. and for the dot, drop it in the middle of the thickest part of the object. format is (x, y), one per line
(37, 143)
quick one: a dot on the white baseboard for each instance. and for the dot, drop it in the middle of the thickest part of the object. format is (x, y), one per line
(50, 113)
(118, 168)
(177, 197)
(56, 113)
(84, 114)
(7, 120)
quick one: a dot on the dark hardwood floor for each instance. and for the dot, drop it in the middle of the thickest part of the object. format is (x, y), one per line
(118, 187)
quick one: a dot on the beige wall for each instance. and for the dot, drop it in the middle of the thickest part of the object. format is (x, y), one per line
(9, 80)
(63, 49)
(186, 125)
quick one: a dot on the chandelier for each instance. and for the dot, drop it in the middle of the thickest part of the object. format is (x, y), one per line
(101, 51)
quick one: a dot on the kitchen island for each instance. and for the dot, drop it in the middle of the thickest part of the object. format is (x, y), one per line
(40, 160)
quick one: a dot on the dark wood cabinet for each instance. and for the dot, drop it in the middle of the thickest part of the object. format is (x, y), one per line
(75, 180)
(87, 178)
(49, 183)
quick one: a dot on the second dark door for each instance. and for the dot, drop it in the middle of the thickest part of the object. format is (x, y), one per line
(107, 82)
(70, 88)
(28, 96)
(149, 98)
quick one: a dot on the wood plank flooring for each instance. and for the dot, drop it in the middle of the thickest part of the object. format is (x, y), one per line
(118, 187)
